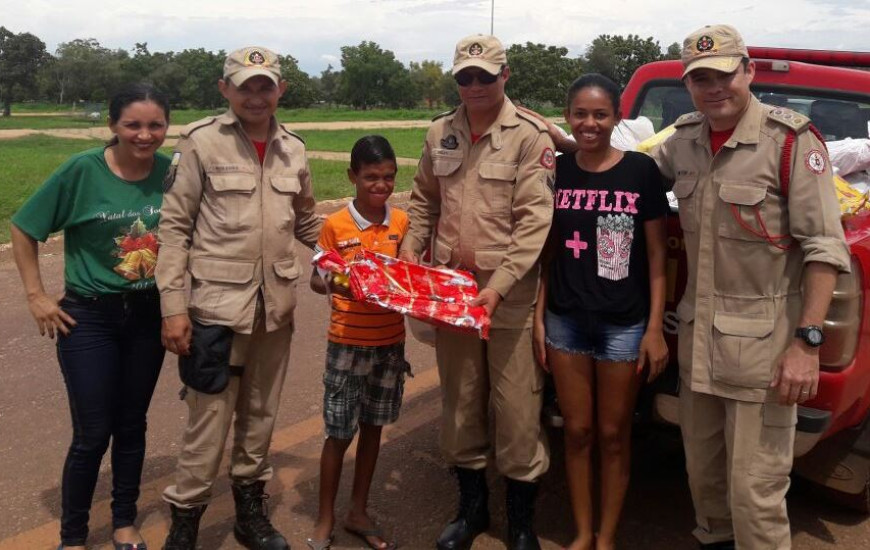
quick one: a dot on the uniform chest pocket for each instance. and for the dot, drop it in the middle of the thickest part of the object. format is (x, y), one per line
(286, 184)
(751, 213)
(687, 198)
(285, 188)
(497, 185)
(233, 199)
(445, 166)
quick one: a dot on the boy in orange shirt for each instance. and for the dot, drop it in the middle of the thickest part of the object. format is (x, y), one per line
(365, 359)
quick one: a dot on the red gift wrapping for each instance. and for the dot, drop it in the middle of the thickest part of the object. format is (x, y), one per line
(436, 296)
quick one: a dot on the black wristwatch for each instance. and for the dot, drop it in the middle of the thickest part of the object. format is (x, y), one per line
(812, 335)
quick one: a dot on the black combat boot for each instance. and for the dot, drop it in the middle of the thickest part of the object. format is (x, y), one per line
(473, 516)
(184, 529)
(521, 513)
(253, 529)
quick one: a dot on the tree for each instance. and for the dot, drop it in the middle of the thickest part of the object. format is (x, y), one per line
(372, 76)
(301, 91)
(84, 70)
(617, 57)
(540, 74)
(428, 80)
(21, 56)
(327, 84)
(674, 51)
(202, 69)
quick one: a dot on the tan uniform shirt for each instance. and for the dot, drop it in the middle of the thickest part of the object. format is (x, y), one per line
(232, 224)
(492, 204)
(743, 295)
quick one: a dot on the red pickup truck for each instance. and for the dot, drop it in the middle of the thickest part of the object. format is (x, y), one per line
(832, 447)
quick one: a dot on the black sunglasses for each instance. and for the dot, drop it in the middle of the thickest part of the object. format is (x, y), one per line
(465, 78)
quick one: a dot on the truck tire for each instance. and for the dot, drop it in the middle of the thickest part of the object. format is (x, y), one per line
(840, 465)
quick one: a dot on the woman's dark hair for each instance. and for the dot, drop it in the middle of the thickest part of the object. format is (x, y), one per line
(370, 150)
(594, 80)
(132, 93)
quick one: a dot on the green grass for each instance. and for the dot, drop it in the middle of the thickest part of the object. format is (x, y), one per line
(185, 116)
(47, 122)
(406, 142)
(26, 162)
(41, 107)
(330, 179)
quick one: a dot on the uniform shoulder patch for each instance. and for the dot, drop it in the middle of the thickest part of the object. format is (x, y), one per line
(536, 122)
(788, 118)
(169, 178)
(689, 118)
(444, 114)
(297, 136)
(196, 125)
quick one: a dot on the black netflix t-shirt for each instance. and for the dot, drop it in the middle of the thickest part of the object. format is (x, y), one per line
(599, 262)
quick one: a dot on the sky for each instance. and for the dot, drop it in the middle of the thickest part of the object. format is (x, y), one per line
(314, 31)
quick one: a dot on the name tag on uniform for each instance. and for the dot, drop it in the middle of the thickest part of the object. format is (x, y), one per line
(224, 168)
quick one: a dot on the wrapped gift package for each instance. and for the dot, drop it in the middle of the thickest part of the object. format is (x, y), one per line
(436, 296)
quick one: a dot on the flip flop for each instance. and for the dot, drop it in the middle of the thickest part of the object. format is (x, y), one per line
(364, 534)
(325, 544)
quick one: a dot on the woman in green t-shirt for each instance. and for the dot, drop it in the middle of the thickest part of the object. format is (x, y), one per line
(107, 202)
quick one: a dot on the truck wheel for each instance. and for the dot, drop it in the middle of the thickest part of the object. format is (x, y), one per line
(859, 502)
(840, 466)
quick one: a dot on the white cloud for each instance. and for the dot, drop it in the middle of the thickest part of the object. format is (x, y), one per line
(314, 31)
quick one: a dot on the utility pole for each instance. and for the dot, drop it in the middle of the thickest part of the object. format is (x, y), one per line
(492, 18)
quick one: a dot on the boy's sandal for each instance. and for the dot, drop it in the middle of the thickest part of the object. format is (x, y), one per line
(364, 535)
(324, 544)
(129, 545)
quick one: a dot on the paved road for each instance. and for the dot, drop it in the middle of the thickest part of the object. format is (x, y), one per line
(413, 493)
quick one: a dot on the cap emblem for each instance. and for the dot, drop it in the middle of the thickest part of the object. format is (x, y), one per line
(475, 50)
(705, 44)
(255, 57)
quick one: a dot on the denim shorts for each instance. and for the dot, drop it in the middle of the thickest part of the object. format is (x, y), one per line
(588, 335)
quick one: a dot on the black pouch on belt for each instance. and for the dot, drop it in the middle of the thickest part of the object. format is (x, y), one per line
(207, 368)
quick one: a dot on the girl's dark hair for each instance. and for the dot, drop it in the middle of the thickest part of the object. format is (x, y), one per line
(594, 80)
(370, 150)
(132, 93)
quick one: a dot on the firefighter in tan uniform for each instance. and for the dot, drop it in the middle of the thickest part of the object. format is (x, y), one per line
(760, 217)
(483, 188)
(238, 197)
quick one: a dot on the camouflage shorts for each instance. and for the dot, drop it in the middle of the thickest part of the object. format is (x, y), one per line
(362, 384)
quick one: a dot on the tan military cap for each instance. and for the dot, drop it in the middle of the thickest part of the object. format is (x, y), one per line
(718, 47)
(479, 50)
(244, 63)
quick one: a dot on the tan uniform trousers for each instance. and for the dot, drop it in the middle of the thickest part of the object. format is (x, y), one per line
(738, 457)
(253, 397)
(499, 375)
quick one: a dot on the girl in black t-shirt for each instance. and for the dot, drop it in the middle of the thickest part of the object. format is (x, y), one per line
(598, 321)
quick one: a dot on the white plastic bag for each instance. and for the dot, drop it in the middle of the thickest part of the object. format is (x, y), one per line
(630, 132)
(849, 155)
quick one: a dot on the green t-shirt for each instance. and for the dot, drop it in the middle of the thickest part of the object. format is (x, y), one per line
(109, 225)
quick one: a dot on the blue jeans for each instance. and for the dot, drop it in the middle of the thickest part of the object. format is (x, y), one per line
(110, 363)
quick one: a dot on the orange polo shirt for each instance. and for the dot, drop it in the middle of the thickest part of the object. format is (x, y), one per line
(354, 323)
